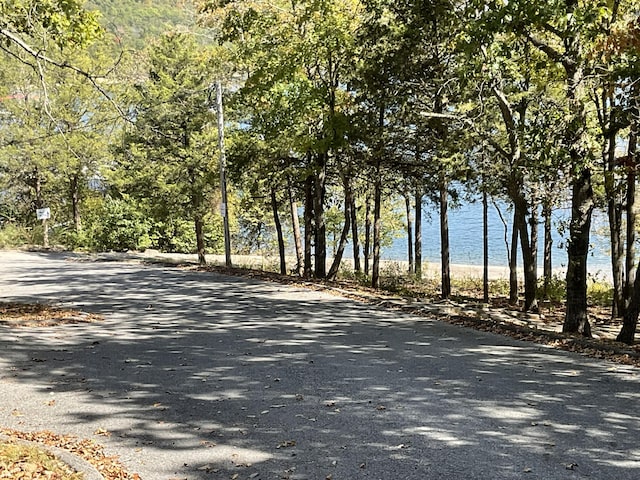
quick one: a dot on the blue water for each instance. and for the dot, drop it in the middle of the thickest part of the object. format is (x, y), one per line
(465, 237)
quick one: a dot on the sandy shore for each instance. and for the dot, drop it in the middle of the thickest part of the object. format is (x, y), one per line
(388, 267)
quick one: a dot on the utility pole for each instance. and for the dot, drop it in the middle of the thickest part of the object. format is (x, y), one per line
(224, 210)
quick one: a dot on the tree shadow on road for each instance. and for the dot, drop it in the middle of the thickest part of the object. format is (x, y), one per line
(205, 376)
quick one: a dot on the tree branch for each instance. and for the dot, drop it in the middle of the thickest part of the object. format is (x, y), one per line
(469, 122)
(40, 57)
(551, 52)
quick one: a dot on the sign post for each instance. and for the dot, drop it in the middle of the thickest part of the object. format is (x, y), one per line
(44, 214)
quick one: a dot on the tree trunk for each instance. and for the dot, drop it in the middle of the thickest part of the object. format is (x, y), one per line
(528, 255)
(407, 204)
(485, 246)
(74, 191)
(630, 261)
(534, 221)
(445, 263)
(548, 245)
(513, 263)
(280, 236)
(367, 234)
(576, 315)
(377, 224)
(337, 259)
(576, 318)
(357, 267)
(308, 226)
(614, 213)
(319, 218)
(628, 332)
(418, 234)
(199, 224)
(297, 238)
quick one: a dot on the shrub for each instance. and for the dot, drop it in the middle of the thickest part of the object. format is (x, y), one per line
(12, 236)
(121, 227)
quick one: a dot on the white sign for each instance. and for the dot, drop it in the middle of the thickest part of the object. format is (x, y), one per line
(43, 213)
(223, 209)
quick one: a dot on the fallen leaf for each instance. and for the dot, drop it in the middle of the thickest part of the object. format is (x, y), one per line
(287, 444)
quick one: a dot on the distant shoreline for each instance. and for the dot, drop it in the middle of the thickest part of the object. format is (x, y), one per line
(430, 270)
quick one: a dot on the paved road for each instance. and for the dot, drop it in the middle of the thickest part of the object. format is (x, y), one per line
(200, 376)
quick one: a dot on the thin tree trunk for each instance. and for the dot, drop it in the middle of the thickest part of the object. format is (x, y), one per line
(337, 259)
(512, 254)
(377, 224)
(614, 213)
(485, 246)
(367, 234)
(295, 222)
(199, 224)
(319, 218)
(630, 260)
(279, 234)
(308, 226)
(357, 267)
(513, 263)
(418, 234)
(407, 204)
(534, 222)
(445, 263)
(74, 185)
(377, 201)
(528, 255)
(548, 245)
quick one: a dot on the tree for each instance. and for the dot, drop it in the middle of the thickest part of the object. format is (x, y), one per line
(565, 33)
(60, 139)
(168, 151)
(30, 28)
(304, 49)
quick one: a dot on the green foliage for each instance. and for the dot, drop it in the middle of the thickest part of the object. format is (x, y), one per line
(134, 22)
(66, 22)
(178, 235)
(599, 292)
(13, 236)
(556, 289)
(123, 227)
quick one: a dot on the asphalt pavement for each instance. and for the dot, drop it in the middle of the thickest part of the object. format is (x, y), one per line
(201, 376)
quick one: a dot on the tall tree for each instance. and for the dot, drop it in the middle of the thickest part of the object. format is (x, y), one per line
(169, 146)
(305, 48)
(565, 33)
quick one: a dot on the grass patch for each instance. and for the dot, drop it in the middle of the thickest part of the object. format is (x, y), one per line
(30, 462)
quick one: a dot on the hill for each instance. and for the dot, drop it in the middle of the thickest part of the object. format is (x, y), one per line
(135, 21)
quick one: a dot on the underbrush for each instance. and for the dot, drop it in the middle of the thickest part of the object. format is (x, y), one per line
(394, 279)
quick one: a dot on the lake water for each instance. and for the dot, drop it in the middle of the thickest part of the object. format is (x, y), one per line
(465, 234)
